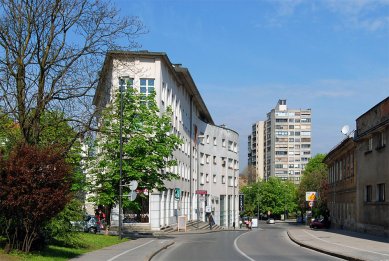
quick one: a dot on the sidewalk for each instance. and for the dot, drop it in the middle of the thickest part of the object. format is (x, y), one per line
(141, 249)
(340, 243)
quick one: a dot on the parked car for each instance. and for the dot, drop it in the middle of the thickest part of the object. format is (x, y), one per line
(319, 223)
(270, 221)
(89, 224)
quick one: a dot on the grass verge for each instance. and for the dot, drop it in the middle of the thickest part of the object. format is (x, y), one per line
(87, 243)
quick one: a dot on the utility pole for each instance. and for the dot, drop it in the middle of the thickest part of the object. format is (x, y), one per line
(121, 86)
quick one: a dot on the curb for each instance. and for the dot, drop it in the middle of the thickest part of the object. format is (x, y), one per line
(323, 250)
(148, 258)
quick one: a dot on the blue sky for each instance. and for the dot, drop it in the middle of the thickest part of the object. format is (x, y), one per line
(331, 56)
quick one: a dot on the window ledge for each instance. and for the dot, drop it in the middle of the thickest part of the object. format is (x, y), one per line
(368, 152)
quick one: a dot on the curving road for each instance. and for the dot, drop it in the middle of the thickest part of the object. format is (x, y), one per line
(269, 242)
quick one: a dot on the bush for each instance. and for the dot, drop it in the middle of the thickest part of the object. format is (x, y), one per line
(60, 230)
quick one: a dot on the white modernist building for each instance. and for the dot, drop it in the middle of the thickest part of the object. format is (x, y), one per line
(207, 160)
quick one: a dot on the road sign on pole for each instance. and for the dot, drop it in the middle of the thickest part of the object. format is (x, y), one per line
(133, 184)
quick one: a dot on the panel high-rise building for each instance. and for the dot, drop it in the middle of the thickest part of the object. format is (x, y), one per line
(286, 146)
(256, 152)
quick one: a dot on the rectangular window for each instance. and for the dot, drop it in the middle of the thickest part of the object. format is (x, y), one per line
(370, 144)
(369, 193)
(201, 178)
(146, 86)
(223, 142)
(223, 180)
(230, 163)
(230, 181)
(381, 140)
(230, 146)
(202, 158)
(214, 178)
(381, 192)
(126, 82)
(214, 141)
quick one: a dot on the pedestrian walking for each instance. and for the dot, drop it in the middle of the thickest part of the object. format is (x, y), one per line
(233, 225)
(211, 222)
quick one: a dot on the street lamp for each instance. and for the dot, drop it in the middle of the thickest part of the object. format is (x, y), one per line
(121, 87)
(198, 178)
(233, 203)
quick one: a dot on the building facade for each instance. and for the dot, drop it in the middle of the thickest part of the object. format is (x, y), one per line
(359, 175)
(281, 145)
(341, 198)
(256, 152)
(372, 157)
(208, 163)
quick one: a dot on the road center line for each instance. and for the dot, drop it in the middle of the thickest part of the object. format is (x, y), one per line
(345, 245)
(129, 250)
(240, 251)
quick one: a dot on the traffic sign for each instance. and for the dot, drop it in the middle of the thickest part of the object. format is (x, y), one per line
(177, 193)
(132, 195)
(133, 184)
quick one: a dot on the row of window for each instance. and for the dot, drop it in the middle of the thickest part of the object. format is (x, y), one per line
(146, 86)
(342, 169)
(232, 181)
(291, 114)
(206, 158)
(232, 146)
(183, 169)
(285, 166)
(293, 133)
(302, 120)
(292, 127)
(378, 139)
(286, 140)
(379, 193)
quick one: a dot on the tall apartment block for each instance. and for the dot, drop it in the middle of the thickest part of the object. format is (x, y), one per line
(256, 152)
(284, 143)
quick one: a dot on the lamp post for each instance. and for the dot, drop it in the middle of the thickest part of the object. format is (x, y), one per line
(121, 87)
(233, 203)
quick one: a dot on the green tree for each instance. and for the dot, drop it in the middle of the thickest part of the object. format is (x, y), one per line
(314, 178)
(147, 149)
(9, 134)
(274, 196)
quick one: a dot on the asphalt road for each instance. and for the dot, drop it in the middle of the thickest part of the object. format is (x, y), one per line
(269, 242)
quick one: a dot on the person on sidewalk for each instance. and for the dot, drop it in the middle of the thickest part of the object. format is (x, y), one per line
(211, 221)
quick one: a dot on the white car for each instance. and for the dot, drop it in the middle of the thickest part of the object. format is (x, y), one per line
(270, 221)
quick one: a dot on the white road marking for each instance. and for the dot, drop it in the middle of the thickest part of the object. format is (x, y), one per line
(356, 248)
(129, 250)
(240, 251)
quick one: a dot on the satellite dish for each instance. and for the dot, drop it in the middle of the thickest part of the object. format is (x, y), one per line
(345, 129)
